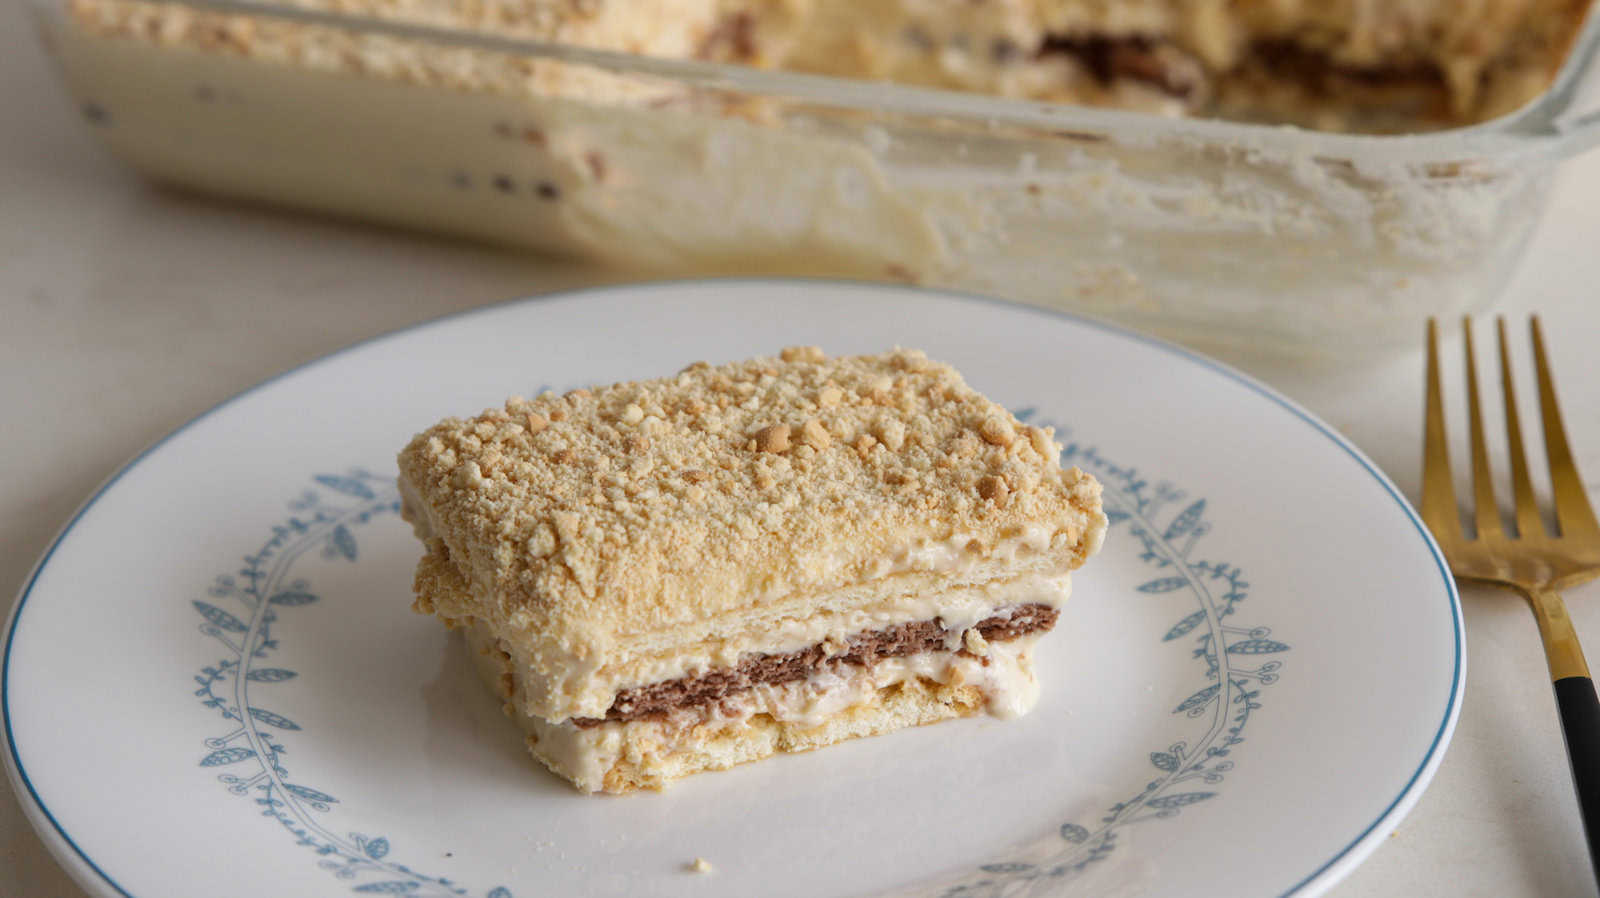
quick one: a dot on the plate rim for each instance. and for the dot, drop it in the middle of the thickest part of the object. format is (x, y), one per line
(93, 879)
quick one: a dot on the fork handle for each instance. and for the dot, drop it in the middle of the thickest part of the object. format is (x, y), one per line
(1580, 724)
(1579, 707)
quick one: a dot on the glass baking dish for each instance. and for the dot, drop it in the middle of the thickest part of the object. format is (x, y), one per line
(1205, 230)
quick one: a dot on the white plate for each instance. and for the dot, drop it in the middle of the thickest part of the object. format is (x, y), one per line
(1152, 765)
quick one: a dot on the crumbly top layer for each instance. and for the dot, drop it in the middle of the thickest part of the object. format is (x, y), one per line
(620, 510)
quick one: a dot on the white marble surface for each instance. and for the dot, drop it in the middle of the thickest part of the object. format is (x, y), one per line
(126, 310)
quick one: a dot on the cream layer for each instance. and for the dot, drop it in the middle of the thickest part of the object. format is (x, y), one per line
(1003, 676)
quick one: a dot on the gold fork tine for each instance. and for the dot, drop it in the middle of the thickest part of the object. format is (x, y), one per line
(1486, 513)
(1573, 511)
(1529, 524)
(1438, 490)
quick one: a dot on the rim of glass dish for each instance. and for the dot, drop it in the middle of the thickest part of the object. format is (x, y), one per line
(1545, 126)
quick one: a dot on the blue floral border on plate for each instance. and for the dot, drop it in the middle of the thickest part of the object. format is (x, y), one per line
(243, 609)
(245, 606)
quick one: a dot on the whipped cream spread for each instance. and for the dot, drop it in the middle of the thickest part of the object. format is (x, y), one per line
(1004, 676)
(591, 686)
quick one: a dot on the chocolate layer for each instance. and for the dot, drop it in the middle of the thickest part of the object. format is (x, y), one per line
(1134, 57)
(863, 649)
(1176, 72)
(1316, 70)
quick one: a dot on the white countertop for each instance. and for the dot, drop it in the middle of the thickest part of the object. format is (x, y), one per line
(126, 310)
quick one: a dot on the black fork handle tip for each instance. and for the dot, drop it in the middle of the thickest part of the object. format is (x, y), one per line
(1580, 724)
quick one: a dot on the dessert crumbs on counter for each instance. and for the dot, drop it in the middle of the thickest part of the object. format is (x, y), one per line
(699, 865)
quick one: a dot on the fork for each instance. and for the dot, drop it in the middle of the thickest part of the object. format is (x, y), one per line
(1532, 561)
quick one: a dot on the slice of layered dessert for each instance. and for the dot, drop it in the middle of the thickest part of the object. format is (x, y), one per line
(671, 576)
